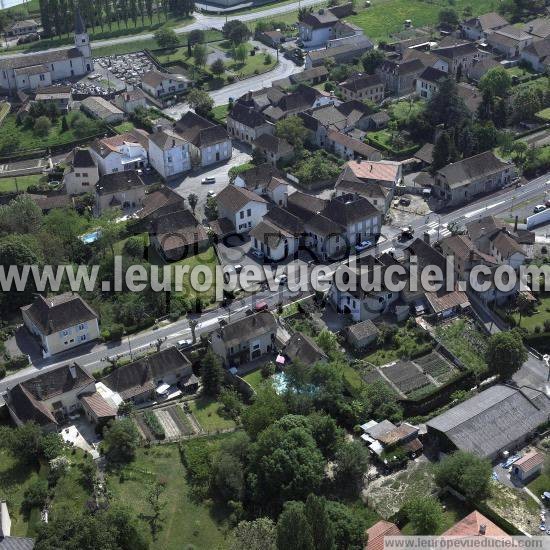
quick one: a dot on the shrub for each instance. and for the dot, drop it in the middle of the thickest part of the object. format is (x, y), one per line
(35, 495)
(268, 369)
(17, 362)
(117, 331)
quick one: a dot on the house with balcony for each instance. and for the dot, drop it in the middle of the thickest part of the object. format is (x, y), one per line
(245, 340)
(127, 151)
(60, 322)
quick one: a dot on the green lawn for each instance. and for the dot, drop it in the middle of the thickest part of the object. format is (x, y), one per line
(254, 378)
(544, 115)
(126, 126)
(541, 83)
(385, 17)
(205, 410)
(187, 523)
(541, 314)
(540, 484)
(207, 258)
(403, 110)
(465, 341)
(254, 64)
(15, 477)
(220, 113)
(20, 183)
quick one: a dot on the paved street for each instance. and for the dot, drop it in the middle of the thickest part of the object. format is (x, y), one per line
(90, 357)
(203, 22)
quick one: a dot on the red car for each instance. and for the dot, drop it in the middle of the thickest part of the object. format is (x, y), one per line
(261, 306)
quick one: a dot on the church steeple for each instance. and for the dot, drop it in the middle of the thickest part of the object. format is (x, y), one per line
(79, 25)
(82, 40)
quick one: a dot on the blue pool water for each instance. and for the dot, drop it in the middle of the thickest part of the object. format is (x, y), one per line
(90, 238)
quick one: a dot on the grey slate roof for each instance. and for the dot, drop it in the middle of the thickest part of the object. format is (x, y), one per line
(234, 198)
(42, 58)
(59, 312)
(493, 419)
(199, 131)
(118, 181)
(249, 327)
(140, 375)
(83, 159)
(466, 170)
(302, 348)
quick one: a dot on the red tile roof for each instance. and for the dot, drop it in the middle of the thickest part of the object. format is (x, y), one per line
(378, 531)
(529, 461)
(384, 171)
(471, 526)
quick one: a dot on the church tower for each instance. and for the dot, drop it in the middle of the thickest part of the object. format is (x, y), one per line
(81, 39)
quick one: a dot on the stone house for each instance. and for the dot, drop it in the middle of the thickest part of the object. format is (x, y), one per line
(243, 208)
(83, 175)
(123, 190)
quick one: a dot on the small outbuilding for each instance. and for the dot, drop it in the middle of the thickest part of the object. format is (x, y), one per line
(528, 466)
(362, 334)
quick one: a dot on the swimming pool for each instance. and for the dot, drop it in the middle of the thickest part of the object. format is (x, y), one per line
(90, 238)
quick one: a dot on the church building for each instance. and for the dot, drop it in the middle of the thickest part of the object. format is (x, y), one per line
(31, 71)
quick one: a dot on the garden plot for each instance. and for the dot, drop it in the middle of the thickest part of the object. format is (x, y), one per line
(436, 366)
(373, 376)
(167, 423)
(406, 376)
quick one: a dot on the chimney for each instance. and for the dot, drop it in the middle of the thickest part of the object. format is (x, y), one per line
(482, 529)
(426, 237)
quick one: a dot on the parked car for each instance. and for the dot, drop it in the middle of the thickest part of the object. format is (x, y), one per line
(257, 253)
(363, 245)
(261, 306)
(208, 180)
(281, 279)
(405, 201)
(210, 194)
(539, 208)
(184, 344)
(406, 233)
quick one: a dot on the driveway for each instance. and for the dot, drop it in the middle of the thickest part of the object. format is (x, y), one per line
(192, 183)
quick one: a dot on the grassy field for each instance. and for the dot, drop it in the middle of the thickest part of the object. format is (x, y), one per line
(385, 17)
(220, 113)
(540, 484)
(133, 29)
(187, 522)
(541, 314)
(544, 115)
(207, 258)
(20, 183)
(26, 139)
(205, 410)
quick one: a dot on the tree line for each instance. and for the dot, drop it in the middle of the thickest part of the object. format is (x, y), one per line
(57, 16)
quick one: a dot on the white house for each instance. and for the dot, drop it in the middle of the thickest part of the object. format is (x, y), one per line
(130, 100)
(316, 29)
(61, 322)
(208, 142)
(479, 27)
(29, 72)
(127, 151)
(266, 180)
(169, 153)
(164, 86)
(82, 176)
(243, 208)
(510, 41)
(428, 82)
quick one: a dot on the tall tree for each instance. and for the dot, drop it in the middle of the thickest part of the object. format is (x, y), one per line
(351, 462)
(425, 514)
(121, 439)
(211, 373)
(442, 151)
(319, 520)
(505, 353)
(260, 534)
(293, 528)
